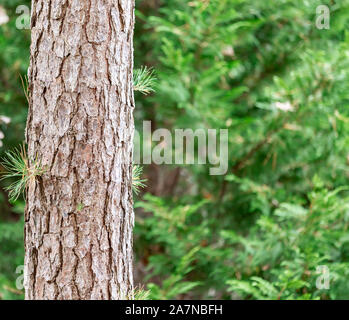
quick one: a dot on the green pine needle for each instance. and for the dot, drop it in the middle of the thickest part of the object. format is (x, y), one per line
(17, 166)
(144, 80)
(137, 182)
(141, 294)
(25, 87)
(138, 293)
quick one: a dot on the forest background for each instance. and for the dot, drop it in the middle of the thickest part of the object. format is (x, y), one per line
(275, 226)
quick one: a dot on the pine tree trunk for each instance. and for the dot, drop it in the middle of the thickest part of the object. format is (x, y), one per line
(79, 215)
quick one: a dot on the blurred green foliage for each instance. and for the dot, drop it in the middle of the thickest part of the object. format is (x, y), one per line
(264, 71)
(14, 58)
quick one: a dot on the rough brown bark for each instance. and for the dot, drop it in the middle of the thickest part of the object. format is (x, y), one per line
(79, 215)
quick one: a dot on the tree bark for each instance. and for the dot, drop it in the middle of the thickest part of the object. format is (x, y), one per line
(79, 214)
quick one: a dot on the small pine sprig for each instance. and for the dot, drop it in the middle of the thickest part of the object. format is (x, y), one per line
(25, 87)
(17, 166)
(144, 80)
(139, 293)
(137, 182)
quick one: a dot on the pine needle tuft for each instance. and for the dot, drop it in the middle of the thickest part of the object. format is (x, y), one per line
(17, 166)
(144, 80)
(137, 182)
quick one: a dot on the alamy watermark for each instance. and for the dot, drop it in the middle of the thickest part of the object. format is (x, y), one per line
(20, 281)
(23, 20)
(323, 280)
(184, 146)
(322, 20)
(322, 17)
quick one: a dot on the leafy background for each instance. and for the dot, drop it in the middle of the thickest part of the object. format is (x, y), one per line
(281, 86)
